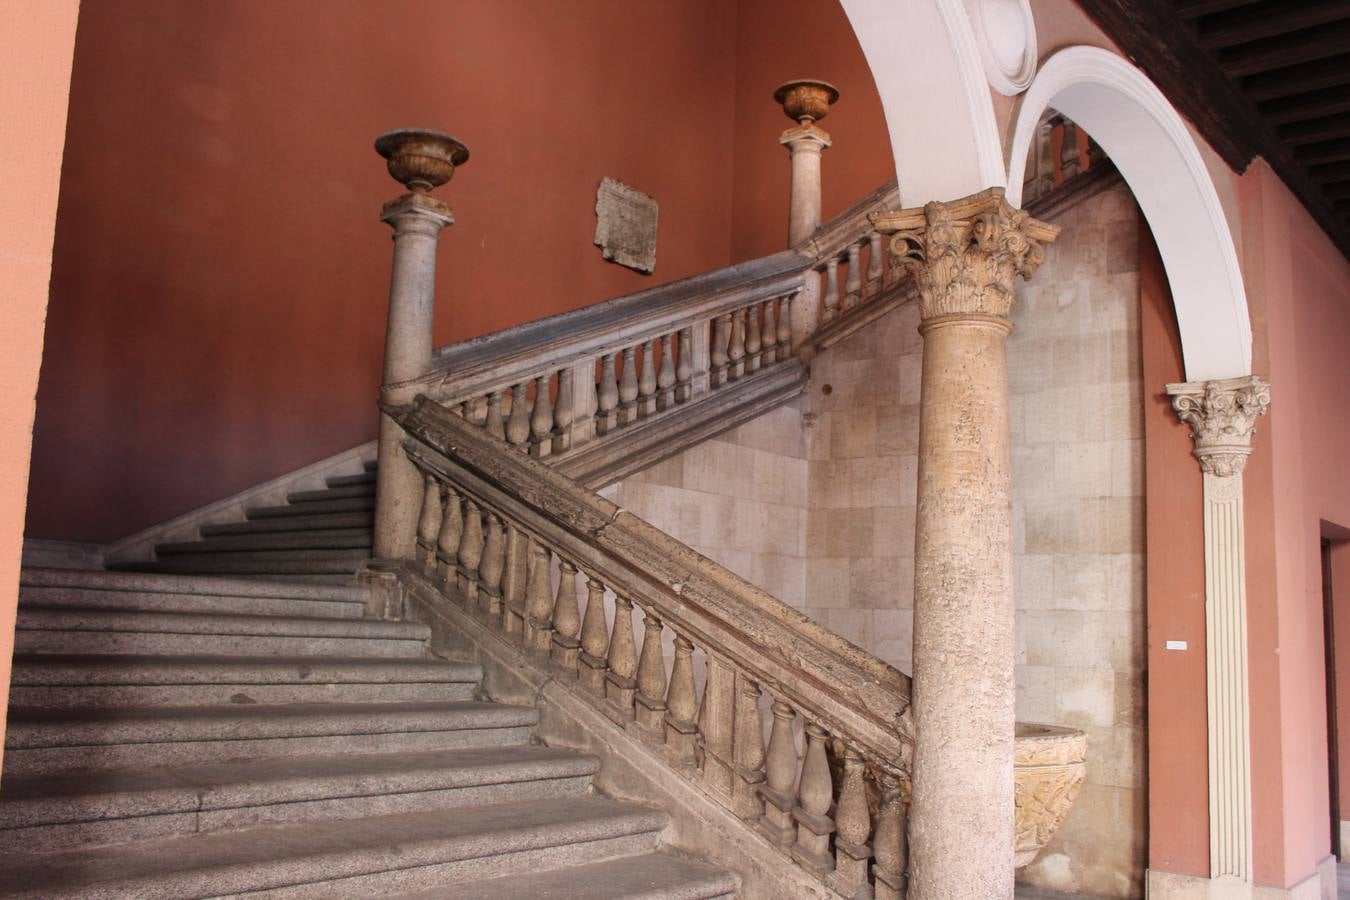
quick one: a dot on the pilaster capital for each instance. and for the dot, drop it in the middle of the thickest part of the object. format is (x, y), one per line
(806, 137)
(1222, 415)
(417, 213)
(965, 254)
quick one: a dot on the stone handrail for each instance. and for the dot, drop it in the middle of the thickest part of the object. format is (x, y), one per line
(510, 541)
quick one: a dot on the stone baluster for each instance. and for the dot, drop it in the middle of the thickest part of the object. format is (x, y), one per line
(780, 778)
(621, 680)
(736, 348)
(514, 577)
(491, 568)
(815, 794)
(684, 369)
(429, 523)
(607, 419)
(748, 749)
(853, 281)
(447, 543)
(852, 828)
(715, 725)
(785, 326)
(647, 382)
(753, 345)
(538, 598)
(720, 353)
(651, 677)
(769, 334)
(628, 388)
(541, 417)
(891, 843)
(831, 291)
(665, 376)
(682, 704)
(518, 422)
(1045, 161)
(566, 620)
(420, 160)
(494, 424)
(470, 553)
(1068, 152)
(876, 271)
(594, 637)
(564, 412)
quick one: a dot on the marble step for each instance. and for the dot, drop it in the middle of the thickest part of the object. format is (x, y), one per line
(366, 489)
(367, 477)
(340, 504)
(651, 876)
(42, 630)
(53, 740)
(328, 539)
(357, 858)
(306, 522)
(265, 563)
(65, 681)
(65, 810)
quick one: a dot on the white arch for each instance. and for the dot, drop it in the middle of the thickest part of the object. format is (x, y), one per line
(926, 64)
(1151, 146)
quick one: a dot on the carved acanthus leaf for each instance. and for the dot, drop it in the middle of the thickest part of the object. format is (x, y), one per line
(1222, 416)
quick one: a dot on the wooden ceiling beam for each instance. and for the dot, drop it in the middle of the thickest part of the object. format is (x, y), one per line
(1316, 130)
(1312, 105)
(1259, 22)
(1329, 172)
(1194, 9)
(1330, 152)
(1314, 76)
(1286, 50)
(1338, 191)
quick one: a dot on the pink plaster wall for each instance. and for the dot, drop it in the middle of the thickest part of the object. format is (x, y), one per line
(36, 43)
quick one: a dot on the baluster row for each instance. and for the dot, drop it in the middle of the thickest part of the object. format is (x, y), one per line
(750, 338)
(858, 286)
(623, 395)
(819, 814)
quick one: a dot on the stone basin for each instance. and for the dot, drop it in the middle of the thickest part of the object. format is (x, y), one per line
(1049, 765)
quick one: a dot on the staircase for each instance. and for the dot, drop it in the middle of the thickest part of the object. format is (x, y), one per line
(196, 737)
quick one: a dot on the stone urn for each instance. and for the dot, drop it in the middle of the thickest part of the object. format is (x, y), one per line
(421, 159)
(1049, 765)
(806, 100)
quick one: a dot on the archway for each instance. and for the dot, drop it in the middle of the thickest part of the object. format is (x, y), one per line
(1155, 153)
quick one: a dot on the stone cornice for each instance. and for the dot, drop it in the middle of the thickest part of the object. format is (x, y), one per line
(965, 254)
(1222, 415)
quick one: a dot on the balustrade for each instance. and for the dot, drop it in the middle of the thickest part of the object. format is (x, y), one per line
(814, 804)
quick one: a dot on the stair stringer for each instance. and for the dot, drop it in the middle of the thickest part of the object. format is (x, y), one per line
(630, 769)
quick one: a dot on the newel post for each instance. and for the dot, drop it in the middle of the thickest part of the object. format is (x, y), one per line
(420, 160)
(806, 102)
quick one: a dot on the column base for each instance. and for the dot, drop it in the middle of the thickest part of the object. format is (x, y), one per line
(1320, 885)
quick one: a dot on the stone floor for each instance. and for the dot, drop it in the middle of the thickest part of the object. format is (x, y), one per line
(1027, 892)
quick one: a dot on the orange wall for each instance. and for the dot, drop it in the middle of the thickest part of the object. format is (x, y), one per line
(777, 41)
(36, 44)
(221, 275)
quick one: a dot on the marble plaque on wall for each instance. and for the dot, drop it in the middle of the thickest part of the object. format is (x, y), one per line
(625, 225)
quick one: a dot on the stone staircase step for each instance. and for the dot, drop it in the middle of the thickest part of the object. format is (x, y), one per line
(347, 858)
(65, 681)
(96, 579)
(367, 477)
(307, 522)
(652, 876)
(341, 504)
(305, 562)
(371, 465)
(41, 630)
(168, 594)
(329, 539)
(332, 493)
(50, 812)
(44, 741)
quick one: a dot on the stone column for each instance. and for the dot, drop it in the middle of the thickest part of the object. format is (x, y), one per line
(805, 102)
(1222, 415)
(420, 160)
(964, 257)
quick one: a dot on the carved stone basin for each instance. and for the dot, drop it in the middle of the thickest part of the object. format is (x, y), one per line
(1050, 763)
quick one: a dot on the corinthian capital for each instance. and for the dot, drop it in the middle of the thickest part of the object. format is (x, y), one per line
(1222, 415)
(964, 255)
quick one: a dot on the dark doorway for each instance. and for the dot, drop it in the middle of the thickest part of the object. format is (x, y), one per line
(1329, 630)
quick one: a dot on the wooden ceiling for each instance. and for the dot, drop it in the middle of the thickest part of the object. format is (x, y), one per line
(1266, 78)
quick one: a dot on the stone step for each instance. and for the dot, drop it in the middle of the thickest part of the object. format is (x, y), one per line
(96, 579)
(371, 465)
(651, 876)
(365, 489)
(65, 681)
(42, 741)
(342, 504)
(241, 565)
(277, 600)
(329, 539)
(51, 812)
(367, 477)
(306, 522)
(357, 858)
(41, 630)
